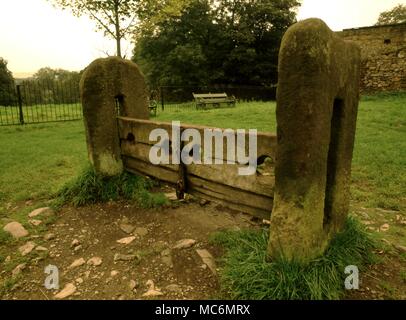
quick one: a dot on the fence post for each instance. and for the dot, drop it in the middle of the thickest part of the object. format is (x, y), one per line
(20, 104)
(162, 98)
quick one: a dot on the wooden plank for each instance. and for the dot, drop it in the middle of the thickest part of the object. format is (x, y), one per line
(140, 130)
(227, 174)
(141, 151)
(151, 170)
(229, 194)
(238, 207)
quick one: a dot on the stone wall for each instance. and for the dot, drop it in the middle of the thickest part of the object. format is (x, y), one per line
(383, 50)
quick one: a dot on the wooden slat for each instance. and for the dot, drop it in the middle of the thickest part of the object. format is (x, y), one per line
(239, 207)
(228, 175)
(230, 194)
(158, 172)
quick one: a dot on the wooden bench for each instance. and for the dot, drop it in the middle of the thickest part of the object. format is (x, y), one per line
(215, 100)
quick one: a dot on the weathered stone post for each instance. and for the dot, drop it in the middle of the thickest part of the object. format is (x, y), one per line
(110, 87)
(318, 94)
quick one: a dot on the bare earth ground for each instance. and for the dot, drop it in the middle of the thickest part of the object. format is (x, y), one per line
(93, 231)
(97, 229)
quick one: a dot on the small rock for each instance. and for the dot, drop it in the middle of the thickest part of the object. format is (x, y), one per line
(35, 222)
(126, 241)
(41, 249)
(95, 261)
(133, 285)
(77, 263)
(8, 259)
(204, 202)
(78, 248)
(114, 273)
(79, 280)
(49, 236)
(385, 227)
(266, 222)
(152, 292)
(184, 244)
(173, 288)
(46, 212)
(16, 230)
(141, 232)
(127, 228)
(17, 270)
(207, 259)
(75, 243)
(66, 292)
(126, 257)
(166, 257)
(27, 248)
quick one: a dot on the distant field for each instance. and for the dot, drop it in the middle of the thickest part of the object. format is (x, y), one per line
(40, 113)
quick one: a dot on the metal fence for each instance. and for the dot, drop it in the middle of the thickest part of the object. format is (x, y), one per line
(39, 102)
(181, 98)
(32, 101)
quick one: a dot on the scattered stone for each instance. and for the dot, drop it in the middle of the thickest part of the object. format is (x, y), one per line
(45, 212)
(266, 222)
(17, 270)
(78, 248)
(127, 228)
(126, 241)
(126, 257)
(79, 280)
(141, 232)
(27, 248)
(133, 285)
(16, 230)
(152, 291)
(35, 222)
(385, 227)
(49, 236)
(66, 292)
(174, 288)
(114, 273)
(207, 259)
(41, 249)
(204, 202)
(166, 257)
(184, 244)
(95, 261)
(171, 196)
(8, 259)
(77, 263)
(75, 243)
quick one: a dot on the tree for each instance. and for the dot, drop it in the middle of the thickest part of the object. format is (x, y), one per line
(7, 92)
(216, 42)
(396, 15)
(115, 17)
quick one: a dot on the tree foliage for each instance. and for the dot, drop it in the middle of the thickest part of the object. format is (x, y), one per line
(212, 42)
(7, 92)
(393, 16)
(116, 18)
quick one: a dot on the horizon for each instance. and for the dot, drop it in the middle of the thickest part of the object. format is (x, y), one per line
(61, 48)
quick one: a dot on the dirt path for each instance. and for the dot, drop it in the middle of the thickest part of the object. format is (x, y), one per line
(107, 269)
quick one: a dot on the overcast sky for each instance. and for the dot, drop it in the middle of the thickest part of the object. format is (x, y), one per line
(33, 34)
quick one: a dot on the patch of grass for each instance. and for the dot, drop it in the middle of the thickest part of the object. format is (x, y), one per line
(90, 187)
(5, 237)
(247, 274)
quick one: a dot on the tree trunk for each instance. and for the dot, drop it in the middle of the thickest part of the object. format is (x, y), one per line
(117, 26)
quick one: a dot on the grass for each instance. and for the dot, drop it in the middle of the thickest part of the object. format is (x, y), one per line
(380, 146)
(246, 273)
(90, 187)
(40, 113)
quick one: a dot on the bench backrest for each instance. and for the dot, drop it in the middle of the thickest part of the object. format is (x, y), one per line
(210, 95)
